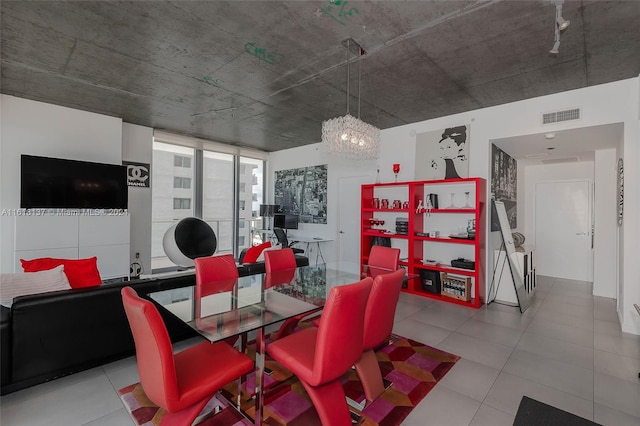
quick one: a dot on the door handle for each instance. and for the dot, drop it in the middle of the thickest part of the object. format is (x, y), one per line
(342, 232)
(582, 233)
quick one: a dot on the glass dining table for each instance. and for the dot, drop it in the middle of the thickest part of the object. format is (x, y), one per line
(254, 302)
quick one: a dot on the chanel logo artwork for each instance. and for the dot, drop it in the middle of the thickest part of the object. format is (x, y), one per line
(138, 174)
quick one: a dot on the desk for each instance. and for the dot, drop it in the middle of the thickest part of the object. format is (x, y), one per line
(252, 305)
(309, 241)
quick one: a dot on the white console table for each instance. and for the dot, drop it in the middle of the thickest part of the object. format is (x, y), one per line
(503, 289)
(309, 241)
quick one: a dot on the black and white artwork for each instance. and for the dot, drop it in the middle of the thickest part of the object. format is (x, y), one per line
(442, 154)
(303, 192)
(504, 179)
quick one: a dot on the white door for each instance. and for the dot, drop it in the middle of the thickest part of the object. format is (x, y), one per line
(563, 230)
(349, 214)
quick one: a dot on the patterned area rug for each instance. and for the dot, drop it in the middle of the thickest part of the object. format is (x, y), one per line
(412, 368)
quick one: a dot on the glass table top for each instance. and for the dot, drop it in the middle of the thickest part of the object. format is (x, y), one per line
(228, 308)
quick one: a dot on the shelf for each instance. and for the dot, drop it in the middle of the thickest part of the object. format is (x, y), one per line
(383, 234)
(447, 221)
(444, 240)
(435, 211)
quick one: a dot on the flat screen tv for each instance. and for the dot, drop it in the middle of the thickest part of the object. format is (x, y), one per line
(57, 183)
(285, 221)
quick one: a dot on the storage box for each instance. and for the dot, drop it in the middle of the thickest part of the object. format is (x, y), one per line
(456, 287)
(430, 280)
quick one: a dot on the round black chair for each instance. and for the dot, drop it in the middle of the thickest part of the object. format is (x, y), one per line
(189, 238)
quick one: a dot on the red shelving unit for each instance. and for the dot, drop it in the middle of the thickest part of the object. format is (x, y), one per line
(465, 199)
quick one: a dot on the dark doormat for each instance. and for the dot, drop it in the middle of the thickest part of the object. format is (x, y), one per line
(536, 413)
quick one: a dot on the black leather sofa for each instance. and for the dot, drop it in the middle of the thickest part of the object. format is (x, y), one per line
(50, 335)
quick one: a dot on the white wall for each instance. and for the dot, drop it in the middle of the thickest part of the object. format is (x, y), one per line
(36, 128)
(617, 102)
(605, 250)
(137, 146)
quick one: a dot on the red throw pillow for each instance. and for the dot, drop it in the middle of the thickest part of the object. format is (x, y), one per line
(253, 253)
(80, 272)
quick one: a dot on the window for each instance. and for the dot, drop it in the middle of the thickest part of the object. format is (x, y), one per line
(177, 194)
(182, 203)
(181, 182)
(181, 161)
(166, 211)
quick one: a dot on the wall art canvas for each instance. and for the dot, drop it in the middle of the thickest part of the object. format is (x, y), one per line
(303, 191)
(443, 154)
(504, 179)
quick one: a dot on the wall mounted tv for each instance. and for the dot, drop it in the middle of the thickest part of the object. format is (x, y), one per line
(56, 183)
(285, 221)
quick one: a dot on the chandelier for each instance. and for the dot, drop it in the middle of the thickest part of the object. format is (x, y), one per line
(348, 136)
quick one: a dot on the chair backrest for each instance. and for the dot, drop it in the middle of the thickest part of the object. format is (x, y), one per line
(279, 260)
(281, 236)
(381, 308)
(215, 274)
(383, 257)
(154, 351)
(340, 332)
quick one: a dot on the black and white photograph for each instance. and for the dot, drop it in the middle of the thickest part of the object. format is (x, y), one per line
(303, 192)
(442, 154)
(504, 178)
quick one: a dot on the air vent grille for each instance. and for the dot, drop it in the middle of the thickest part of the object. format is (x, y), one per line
(560, 160)
(566, 115)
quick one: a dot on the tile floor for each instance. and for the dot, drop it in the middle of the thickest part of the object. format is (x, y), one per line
(567, 350)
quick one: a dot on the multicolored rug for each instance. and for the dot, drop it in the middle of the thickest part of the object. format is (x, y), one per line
(413, 369)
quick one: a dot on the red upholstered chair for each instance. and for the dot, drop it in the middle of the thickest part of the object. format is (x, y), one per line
(385, 258)
(183, 383)
(279, 260)
(215, 274)
(378, 324)
(319, 356)
(280, 266)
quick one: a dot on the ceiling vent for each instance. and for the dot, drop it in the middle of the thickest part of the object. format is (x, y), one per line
(558, 116)
(560, 160)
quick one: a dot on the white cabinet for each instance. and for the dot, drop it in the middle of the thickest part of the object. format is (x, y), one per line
(502, 283)
(75, 237)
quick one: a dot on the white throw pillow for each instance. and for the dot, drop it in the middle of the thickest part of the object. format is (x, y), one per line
(14, 285)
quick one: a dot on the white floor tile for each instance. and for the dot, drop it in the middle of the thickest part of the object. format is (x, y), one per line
(566, 333)
(618, 366)
(117, 418)
(609, 417)
(421, 332)
(508, 390)
(470, 379)
(557, 349)
(489, 416)
(479, 350)
(560, 375)
(443, 407)
(625, 344)
(492, 332)
(618, 394)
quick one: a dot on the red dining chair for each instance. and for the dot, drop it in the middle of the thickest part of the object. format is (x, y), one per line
(384, 258)
(280, 266)
(378, 324)
(279, 260)
(183, 383)
(319, 356)
(214, 274)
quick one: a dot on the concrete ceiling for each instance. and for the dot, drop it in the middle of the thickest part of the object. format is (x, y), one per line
(265, 74)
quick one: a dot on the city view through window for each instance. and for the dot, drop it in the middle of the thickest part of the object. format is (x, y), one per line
(174, 197)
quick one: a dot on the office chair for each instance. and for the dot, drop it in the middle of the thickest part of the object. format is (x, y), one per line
(284, 241)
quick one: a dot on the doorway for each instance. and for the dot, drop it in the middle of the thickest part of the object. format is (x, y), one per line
(349, 216)
(563, 221)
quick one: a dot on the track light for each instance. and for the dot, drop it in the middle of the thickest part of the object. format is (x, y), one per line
(562, 23)
(559, 25)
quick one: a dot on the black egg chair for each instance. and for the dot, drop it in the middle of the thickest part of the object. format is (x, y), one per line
(189, 238)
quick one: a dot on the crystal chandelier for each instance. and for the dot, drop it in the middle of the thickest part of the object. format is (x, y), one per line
(349, 136)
